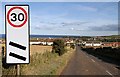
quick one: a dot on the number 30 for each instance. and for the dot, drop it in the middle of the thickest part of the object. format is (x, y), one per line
(20, 17)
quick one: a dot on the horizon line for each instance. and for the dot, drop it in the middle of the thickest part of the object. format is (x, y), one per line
(67, 35)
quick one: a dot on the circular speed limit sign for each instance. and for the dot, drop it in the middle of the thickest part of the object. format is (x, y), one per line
(17, 16)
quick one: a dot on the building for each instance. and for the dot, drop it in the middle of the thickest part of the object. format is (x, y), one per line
(92, 43)
(111, 44)
(49, 43)
(41, 42)
(69, 42)
(97, 44)
(33, 43)
(88, 43)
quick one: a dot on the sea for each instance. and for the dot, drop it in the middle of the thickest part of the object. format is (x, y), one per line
(46, 36)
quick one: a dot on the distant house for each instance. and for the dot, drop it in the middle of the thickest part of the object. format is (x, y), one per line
(92, 43)
(33, 43)
(88, 43)
(49, 43)
(69, 42)
(97, 44)
(111, 44)
(41, 42)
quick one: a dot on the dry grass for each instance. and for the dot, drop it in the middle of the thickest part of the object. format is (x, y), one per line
(35, 49)
(0, 59)
(0, 49)
(46, 63)
(39, 49)
(43, 62)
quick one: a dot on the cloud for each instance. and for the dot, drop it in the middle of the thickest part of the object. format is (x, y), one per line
(52, 25)
(109, 27)
(73, 23)
(85, 8)
(74, 29)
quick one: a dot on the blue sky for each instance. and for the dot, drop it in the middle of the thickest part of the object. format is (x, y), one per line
(72, 18)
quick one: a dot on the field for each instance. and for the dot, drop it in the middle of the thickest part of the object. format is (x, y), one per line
(39, 49)
(46, 63)
(42, 62)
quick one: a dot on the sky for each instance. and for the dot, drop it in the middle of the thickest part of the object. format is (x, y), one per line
(71, 18)
(60, 0)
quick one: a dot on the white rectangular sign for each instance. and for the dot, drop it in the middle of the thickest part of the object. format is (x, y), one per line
(17, 34)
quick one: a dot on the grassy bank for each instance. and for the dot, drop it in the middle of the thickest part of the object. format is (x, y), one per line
(46, 64)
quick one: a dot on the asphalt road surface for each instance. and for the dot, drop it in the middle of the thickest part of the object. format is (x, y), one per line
(84, 64)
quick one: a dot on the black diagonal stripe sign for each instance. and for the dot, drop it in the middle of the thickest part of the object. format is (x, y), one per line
(17, 56)
(17, 45)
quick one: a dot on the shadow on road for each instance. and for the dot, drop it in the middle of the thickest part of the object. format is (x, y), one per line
(108, 55)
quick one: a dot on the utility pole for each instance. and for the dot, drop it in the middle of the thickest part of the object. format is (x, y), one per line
(18, 70)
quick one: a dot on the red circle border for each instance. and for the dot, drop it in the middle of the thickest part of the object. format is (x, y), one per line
(12, 23)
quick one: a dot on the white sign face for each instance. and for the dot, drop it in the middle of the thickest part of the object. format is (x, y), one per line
(17, 34)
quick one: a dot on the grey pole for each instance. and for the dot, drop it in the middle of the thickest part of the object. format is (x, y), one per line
(18, 69)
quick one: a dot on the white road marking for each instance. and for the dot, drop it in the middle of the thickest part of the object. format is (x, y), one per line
(108, 72)
(93, 60)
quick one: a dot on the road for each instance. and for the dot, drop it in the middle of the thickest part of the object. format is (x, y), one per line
(84, 64)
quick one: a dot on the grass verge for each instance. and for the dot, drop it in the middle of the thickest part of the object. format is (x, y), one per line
(46, 64)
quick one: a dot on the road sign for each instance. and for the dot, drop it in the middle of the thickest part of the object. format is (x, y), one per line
(17, 34)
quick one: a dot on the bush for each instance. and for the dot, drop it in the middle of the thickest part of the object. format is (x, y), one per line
(58, 47)
(72, 46)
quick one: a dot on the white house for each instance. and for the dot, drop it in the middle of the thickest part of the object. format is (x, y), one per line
(90, 43)
(31, 43)
(97, 44)
(42, 43)
(83, 42)
(49, 43)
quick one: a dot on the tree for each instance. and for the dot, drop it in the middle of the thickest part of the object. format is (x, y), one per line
(58, 47)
